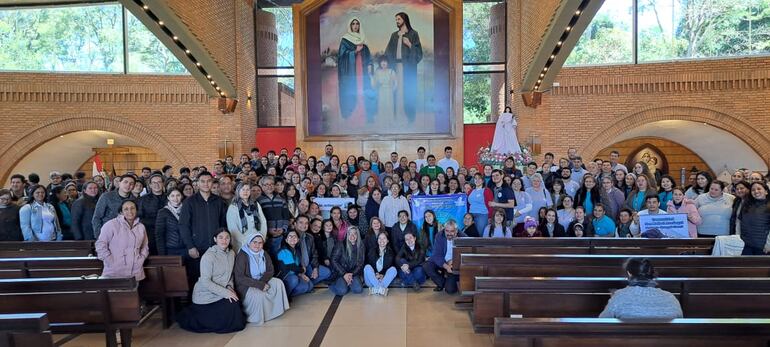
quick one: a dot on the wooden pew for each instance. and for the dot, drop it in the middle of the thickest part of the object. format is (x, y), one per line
(554, 265)
(25, 329)
(23, 249)
(584, 332)
(166, 277)
(75, 305)
(572, 245)
(586, 297)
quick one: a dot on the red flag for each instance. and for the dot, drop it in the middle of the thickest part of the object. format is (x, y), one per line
(97, 167)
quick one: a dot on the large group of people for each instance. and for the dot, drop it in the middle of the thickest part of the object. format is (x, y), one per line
(252, 236)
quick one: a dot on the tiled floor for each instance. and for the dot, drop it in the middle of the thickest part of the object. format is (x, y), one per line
(403, 318)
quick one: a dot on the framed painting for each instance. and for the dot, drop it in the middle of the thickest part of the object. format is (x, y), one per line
(650, 155)
(383, 69)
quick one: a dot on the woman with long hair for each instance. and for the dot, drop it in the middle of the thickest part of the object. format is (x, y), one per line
(348, 264)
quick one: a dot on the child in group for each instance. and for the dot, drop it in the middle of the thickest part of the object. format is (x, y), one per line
(530, 228)
(385, 84)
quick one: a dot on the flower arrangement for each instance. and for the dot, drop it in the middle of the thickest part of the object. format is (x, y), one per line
(489, 157)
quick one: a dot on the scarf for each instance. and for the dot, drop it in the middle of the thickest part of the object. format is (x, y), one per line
(355, 38)
(176, 211)
(642, 283)
(247, 211)
(257, 265)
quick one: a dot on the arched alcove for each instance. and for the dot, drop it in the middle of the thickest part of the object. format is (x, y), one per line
(25, 143)
(720, 139)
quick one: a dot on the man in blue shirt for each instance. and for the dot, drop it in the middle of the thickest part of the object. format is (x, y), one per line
(503, 196)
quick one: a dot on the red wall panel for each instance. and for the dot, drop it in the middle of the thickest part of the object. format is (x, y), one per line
(476, 136)
(275, 139)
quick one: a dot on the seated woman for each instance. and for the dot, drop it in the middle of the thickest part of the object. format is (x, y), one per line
(641, 299)
(551, 227)
(123, 245)
(264, 296)
(215, 307)
(290, 268)
(469, 226)
(409, 261)
(379, 270)
(348, 264)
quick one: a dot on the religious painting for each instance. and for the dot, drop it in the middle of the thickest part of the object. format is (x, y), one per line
(650, 155)
(378, 68)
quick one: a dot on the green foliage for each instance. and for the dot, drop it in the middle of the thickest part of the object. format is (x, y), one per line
(86, 38)
(476, 49)
(679, 29)
(146, 54)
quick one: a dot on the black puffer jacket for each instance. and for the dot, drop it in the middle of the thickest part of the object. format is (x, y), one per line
(82, 227)
(755, 223)
(167, 235)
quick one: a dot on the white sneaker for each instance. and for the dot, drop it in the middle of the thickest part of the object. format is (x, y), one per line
(372, 291)
(384, 291)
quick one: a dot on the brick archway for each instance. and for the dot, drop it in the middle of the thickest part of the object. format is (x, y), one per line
(742, 130)
(25, 143)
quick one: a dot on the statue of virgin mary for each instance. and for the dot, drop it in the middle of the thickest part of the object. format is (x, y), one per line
(505, 140)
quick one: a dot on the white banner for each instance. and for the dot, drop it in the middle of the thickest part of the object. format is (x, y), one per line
(326, 205)
(672, 225)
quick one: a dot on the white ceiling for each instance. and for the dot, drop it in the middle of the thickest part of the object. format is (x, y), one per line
(67, 152)
(717, 147)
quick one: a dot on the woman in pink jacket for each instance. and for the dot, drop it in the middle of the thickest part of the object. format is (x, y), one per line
(122, 244)
(680, 204)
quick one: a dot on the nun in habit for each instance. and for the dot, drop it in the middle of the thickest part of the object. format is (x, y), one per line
(263, 296)
(354, 70)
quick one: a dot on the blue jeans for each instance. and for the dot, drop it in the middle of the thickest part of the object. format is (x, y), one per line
(481, 220)
(415, 275)
(340, 287)
(323, 273)
(296, 286)
(372, 281)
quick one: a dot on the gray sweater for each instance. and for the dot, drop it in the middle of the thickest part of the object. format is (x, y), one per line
(635, 302)
(216, 276)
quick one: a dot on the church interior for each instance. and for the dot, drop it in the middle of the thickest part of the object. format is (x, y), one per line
(109, 88)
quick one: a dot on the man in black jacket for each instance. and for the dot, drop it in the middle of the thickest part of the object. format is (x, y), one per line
(149, 205)
(201, 216)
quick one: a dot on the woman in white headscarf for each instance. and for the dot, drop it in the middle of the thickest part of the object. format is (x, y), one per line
(354, 76)
(264, 296)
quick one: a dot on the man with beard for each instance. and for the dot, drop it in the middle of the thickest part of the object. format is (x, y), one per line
(404, 52)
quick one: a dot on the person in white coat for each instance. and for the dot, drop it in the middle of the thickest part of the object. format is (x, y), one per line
(245, 216)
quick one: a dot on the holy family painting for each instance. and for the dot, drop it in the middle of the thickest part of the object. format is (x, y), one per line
(382, 69)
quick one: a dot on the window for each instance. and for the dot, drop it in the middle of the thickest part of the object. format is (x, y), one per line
(146, 54)
(609, 38)
(82, 38)
(484, 60)
(275, 73)
(674, 29)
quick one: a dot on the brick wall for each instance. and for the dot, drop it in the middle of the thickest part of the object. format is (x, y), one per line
(677, 155)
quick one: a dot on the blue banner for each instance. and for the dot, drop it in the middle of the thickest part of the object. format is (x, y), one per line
(445, 207)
